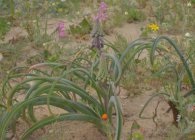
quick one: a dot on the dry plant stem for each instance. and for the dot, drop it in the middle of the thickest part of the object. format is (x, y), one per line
(155, 114)
(175, 112)
(37, 66)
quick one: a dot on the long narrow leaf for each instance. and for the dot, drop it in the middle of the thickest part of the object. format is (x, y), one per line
(113, 102)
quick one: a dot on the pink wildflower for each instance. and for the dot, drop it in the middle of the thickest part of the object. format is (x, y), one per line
(61, 30)
(102, 12)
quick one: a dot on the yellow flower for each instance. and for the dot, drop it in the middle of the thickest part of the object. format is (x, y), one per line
(153, 27)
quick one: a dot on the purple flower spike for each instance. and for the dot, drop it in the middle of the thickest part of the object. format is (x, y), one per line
(103, 6)
(102, 12)
(61, 30)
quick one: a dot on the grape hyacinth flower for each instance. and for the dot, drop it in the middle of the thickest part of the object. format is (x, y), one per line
(61, 30)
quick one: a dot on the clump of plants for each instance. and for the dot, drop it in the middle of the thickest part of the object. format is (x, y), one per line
(85, 84)
(175, 69)
(84, 88)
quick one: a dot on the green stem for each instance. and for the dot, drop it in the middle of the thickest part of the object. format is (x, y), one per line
(12, 8)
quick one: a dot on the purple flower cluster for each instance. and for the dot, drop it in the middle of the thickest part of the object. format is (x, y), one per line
(102, 12)
(98, 42)
(97, 33)
(61, 29)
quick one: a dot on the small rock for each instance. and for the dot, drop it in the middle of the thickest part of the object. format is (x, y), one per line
(51, 131)
(131, 95)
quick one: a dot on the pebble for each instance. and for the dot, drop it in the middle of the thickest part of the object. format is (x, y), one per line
(51, 131)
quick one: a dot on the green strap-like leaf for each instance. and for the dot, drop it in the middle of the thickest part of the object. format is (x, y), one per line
(113, 102)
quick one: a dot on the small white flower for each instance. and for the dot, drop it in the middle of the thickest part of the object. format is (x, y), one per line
(44, 44)
(189, 4)
(126, 13)
(1, 56)
(34, 21)
(178, 118)
(77, 12)
(63, 0)
(187, 34)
